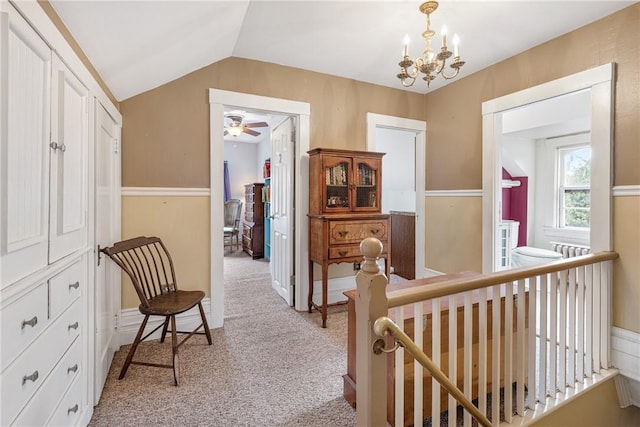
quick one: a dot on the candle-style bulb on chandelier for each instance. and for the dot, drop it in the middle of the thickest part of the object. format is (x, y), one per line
(430, 64)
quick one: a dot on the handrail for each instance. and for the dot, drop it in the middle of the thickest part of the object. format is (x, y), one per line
(384, 326)
(451, 287)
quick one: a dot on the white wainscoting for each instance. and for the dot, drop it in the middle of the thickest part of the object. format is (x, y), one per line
(625, 355)
(626, 190)
(131, 318)
(162, 191)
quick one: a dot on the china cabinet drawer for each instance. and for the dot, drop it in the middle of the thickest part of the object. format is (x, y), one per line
(47, 398)
(65, 288)
(345, 251)
(23, 377)
(22, 322)
(341, 232)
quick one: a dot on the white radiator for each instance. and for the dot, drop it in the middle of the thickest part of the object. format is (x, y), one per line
(570, 250)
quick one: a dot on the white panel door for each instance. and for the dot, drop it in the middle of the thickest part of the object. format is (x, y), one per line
(107, 285)
(282, 173)
(25, 87)
(69, 163)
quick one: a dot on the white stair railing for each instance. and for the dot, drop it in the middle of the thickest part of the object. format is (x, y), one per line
(521, 339)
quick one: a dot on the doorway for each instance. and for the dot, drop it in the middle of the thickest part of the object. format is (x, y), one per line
(381, 128)
(219, 101)
(598, 83)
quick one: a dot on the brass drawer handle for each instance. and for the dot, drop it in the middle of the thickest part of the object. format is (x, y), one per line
(73, 409)
(73, 326)
(74, 285)
(33, 377)
(32, 322)
(343, 233)
(342, 253)
(375, 231)
(74, 368)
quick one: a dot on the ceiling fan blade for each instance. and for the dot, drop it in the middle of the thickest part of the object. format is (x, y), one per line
(251, 132)
(257, 125)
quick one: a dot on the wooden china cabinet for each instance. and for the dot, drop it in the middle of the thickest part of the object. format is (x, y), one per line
(344, 208)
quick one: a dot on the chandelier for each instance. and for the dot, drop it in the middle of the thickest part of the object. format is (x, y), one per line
(430, 63)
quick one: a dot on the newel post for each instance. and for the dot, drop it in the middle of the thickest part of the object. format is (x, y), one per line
(371, 369)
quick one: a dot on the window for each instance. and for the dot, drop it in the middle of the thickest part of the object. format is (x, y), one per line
(574, 178)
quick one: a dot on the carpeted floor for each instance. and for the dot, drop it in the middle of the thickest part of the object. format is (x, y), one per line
(268, 366)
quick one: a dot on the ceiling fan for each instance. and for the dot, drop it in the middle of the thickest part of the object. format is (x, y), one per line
(235, 126)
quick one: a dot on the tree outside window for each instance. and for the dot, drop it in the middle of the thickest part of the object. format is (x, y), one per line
(574, 190)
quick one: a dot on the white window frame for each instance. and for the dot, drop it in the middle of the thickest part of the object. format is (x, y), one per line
(561, 152)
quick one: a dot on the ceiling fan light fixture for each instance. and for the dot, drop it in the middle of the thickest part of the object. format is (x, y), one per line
(234, 130)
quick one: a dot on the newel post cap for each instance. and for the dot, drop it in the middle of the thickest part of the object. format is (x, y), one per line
(371, 248)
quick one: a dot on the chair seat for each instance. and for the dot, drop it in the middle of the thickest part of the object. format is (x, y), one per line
(172, 303)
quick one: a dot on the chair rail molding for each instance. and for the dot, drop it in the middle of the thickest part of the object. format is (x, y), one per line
(165, 191)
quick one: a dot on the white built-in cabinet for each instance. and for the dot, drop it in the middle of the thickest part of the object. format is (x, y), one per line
(46, 256)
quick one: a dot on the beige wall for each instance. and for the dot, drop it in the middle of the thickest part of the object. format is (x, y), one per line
(166, 135)
(166, 130)
(182, 222)
(598, 407)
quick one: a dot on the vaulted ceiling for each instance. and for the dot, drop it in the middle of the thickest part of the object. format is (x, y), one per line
(139, 45)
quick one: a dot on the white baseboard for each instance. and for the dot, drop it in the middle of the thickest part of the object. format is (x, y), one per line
(428, 272)
(131, 318)
(335, 289)
(625, 356)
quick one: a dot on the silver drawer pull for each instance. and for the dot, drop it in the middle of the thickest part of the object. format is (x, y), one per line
(73, 326)
(74, 368)
(73, 409)
(74, 285)
(33, 377)
(33, 322)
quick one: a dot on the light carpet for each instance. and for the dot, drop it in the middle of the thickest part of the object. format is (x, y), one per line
(268, 366)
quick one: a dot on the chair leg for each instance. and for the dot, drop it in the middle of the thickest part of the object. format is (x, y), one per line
(174, 350)
(164, 329)
(133, 348)
(207, 332)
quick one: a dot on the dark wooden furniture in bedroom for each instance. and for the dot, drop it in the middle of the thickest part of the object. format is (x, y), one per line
(253, 225)
(403, 258)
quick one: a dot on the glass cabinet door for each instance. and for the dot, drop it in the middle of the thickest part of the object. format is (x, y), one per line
(337, 181)
(367, 182)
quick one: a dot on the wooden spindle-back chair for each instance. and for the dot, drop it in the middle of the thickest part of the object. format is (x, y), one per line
(150, 268)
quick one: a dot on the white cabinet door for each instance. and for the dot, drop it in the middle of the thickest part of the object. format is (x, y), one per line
(69, 163)
(25, 81)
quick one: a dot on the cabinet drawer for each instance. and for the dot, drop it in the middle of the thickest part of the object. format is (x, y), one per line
(351, 251)
(22, 322)
(47, 398)
(68, 411)
(23, 377)
(65, 288)
(344, 251)
(355, 231)
(247, 231)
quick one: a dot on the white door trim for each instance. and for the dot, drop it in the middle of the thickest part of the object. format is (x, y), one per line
(419, 127)
(218, 99)
(600, 80)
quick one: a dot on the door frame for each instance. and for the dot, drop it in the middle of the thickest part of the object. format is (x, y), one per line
(218, 100)
(419, 127)
(113, 275)
(600, 80)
